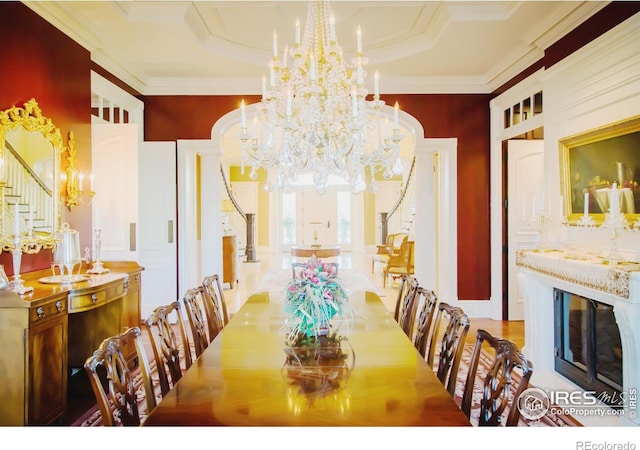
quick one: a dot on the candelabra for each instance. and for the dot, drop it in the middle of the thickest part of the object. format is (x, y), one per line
(98, 267)
(614, 223)
(17, 245)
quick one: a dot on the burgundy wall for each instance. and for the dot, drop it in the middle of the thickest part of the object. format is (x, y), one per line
(39, 61)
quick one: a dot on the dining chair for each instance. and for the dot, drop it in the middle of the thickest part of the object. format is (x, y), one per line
(193, 304)
(214, 305)
(401, 263)
(508, 376)
(427, 301)
(451, 343)
(405, 311)
(167, 347)
(113, 380)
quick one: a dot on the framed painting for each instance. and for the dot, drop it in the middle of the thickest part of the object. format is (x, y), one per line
(593, 163)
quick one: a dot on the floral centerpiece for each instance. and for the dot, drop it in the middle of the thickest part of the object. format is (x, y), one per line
(313, 299)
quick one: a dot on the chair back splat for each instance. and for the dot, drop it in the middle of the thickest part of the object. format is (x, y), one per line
(214, 305)
(194, 305)
(500, 390)
(407, 304)
(113, 379)
(166, 345)
(452, 338)
(427, 300)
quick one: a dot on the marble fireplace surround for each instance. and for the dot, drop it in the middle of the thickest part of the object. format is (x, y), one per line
(539, 272)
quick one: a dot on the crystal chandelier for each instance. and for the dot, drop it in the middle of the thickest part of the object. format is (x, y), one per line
(314, 116)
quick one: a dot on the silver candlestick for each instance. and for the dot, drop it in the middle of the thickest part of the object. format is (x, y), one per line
(97, 265)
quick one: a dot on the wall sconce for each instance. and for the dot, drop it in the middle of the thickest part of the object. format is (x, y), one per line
(75, 180)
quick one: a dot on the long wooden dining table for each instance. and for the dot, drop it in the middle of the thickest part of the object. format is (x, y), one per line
(249, 377)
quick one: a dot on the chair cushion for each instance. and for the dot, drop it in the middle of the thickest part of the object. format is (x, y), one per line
(380, 258)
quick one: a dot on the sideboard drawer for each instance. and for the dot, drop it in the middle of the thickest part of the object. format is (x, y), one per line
(87, 301)
(97, 298)
(48, 311)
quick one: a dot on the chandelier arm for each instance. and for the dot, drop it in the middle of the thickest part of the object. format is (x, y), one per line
(230, 194)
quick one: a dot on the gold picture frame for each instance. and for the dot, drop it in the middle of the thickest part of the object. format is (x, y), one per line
(593, 161)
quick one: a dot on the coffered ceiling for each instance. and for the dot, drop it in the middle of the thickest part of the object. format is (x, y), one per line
(222, 47)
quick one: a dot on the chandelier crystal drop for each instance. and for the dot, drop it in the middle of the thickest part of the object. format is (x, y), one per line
(314, 116)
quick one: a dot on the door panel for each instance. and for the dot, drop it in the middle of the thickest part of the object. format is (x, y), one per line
(317, 215)
(157, 217)
(115, 206)
(525, 180)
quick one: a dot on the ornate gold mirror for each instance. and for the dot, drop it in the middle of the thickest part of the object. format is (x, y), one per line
(30, 149)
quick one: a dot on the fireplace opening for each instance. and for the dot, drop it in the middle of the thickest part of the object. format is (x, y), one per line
(588, 350)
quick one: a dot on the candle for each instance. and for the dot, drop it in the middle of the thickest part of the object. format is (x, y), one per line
(359, 73)
(396, 125)
(586, 204)
(16, 219)
(376, 85)
(297, 32)
(96, 222)
(284, 56)
(275, 45)
(614, 204)
(359, 35)
(80, 181)
(332, 28)
(243, 115)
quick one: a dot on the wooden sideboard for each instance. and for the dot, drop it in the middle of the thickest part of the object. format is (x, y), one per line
(230, 259)
(46, 334)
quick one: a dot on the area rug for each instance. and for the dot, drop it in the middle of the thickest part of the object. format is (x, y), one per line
(551, 419)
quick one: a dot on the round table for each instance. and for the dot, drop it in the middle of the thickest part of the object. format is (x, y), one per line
(320, 252)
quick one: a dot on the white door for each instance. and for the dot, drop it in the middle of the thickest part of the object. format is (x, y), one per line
(525, 177)
(157, 229)
(115, 205)
(317, 217)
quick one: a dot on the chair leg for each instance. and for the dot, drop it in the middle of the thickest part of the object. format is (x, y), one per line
(384, 278)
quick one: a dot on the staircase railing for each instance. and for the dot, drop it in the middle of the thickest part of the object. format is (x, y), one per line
(385, 216)
(24, 187)
(249, 219)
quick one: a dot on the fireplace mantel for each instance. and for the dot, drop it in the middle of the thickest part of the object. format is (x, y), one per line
(539, 272)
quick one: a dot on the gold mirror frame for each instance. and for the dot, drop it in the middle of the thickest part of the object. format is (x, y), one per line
(31, 119)
(592, 161)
